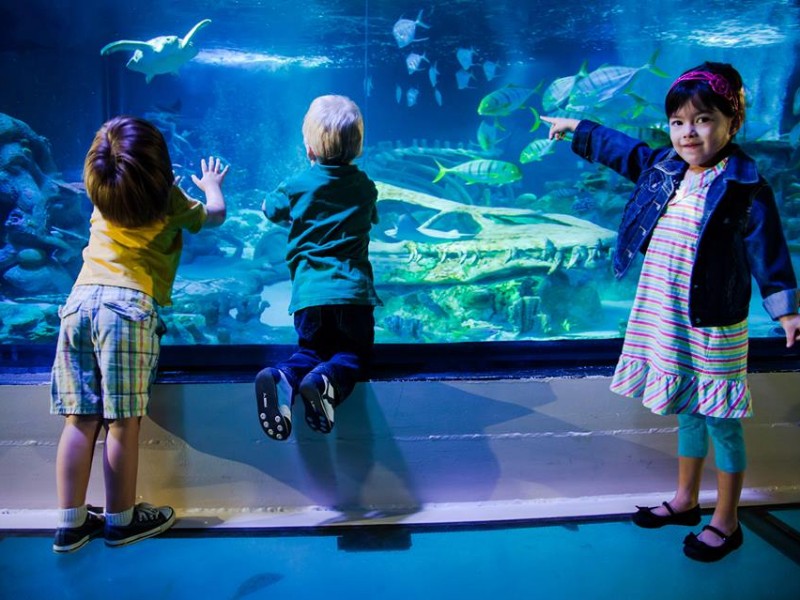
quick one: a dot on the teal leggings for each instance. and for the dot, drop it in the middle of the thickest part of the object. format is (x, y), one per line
(729, 452)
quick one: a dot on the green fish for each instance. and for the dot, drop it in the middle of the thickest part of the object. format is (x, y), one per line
(536, 150)
(560, 90)
(504, 101)
(603, 84)
(492, 172)
(488, 137)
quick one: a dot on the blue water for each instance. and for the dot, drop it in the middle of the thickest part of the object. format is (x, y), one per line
(243, 98)
(570, 560)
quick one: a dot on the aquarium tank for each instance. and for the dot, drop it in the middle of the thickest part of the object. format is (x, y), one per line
(488, 232)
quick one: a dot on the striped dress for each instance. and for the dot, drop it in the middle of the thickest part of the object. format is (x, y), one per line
(670, 365)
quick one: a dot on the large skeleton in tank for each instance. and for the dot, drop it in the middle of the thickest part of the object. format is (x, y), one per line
(445, 265)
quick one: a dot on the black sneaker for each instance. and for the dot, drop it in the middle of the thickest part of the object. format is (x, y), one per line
(274, 399)
(318, 397)
(69, 539)
(148, 520)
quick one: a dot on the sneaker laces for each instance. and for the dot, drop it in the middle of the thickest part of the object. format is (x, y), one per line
(147, 512)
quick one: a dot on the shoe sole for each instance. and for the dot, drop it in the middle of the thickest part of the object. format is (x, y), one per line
(317, 416)
(273, 423)
(144, 534)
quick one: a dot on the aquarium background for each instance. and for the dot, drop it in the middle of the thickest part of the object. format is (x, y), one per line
(518, 249)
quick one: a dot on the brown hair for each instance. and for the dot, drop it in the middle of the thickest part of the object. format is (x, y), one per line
(334, 129)
(128, 172)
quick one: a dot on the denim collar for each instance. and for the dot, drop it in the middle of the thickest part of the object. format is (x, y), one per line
(740, 167)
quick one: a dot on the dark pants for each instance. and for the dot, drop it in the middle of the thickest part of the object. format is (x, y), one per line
(335, 341)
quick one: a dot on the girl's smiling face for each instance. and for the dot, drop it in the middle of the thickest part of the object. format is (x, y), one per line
(699, 134)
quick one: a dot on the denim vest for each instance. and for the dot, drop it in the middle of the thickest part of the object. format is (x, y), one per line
(740, 230)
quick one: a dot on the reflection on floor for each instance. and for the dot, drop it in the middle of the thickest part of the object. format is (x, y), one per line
(602, 557)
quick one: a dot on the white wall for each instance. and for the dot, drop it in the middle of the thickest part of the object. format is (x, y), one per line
(404, 450)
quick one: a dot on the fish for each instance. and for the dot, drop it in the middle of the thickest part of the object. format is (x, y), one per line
(464, 57)
(536, 151)
(438, 96)
(796, 103)
(433, 74)
(489, 69)
(504, 101)
(405, 30)
(537, 121)
(414, 62)
(558, 92)
(398, 93)
(639, 105)
(462, 79)
(488, 136)
(492, 172)
(411, 96)
(603, 84)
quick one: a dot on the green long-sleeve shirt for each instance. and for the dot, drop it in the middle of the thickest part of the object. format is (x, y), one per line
(331, 210)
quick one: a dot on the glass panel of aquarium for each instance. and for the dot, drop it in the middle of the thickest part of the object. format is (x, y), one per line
(487, 232)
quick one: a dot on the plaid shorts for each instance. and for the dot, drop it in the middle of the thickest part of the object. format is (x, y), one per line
(107, 354)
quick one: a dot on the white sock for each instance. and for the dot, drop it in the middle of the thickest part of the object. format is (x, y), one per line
(72, 517)
(120, 519)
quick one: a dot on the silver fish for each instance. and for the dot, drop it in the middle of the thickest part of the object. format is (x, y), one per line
(489, 69)
(462, 78)
(414, 62)
(405, 30)
(464, 57)
(433, 74)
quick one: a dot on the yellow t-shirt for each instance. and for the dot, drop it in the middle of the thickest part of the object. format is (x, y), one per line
(141, 258)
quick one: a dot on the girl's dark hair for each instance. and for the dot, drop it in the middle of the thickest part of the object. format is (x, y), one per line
(128, 172)
(710, 85)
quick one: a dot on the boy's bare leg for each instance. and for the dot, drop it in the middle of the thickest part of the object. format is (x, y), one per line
(121, 463)
(74, 459)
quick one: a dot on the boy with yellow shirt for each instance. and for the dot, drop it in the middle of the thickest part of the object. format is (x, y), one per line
(109, 340)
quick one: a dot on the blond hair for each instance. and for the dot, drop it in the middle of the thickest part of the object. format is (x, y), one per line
(333, 129)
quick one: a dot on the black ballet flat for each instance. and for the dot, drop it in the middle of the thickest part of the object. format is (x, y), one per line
(644, 517)
(698, 550)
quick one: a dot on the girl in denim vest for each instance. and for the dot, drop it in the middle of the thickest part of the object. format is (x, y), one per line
(706, 222)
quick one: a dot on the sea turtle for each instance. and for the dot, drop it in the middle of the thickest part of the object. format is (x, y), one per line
(164, 54)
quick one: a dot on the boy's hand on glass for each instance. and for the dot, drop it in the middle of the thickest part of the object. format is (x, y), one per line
(791, 325)
(212, 173)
